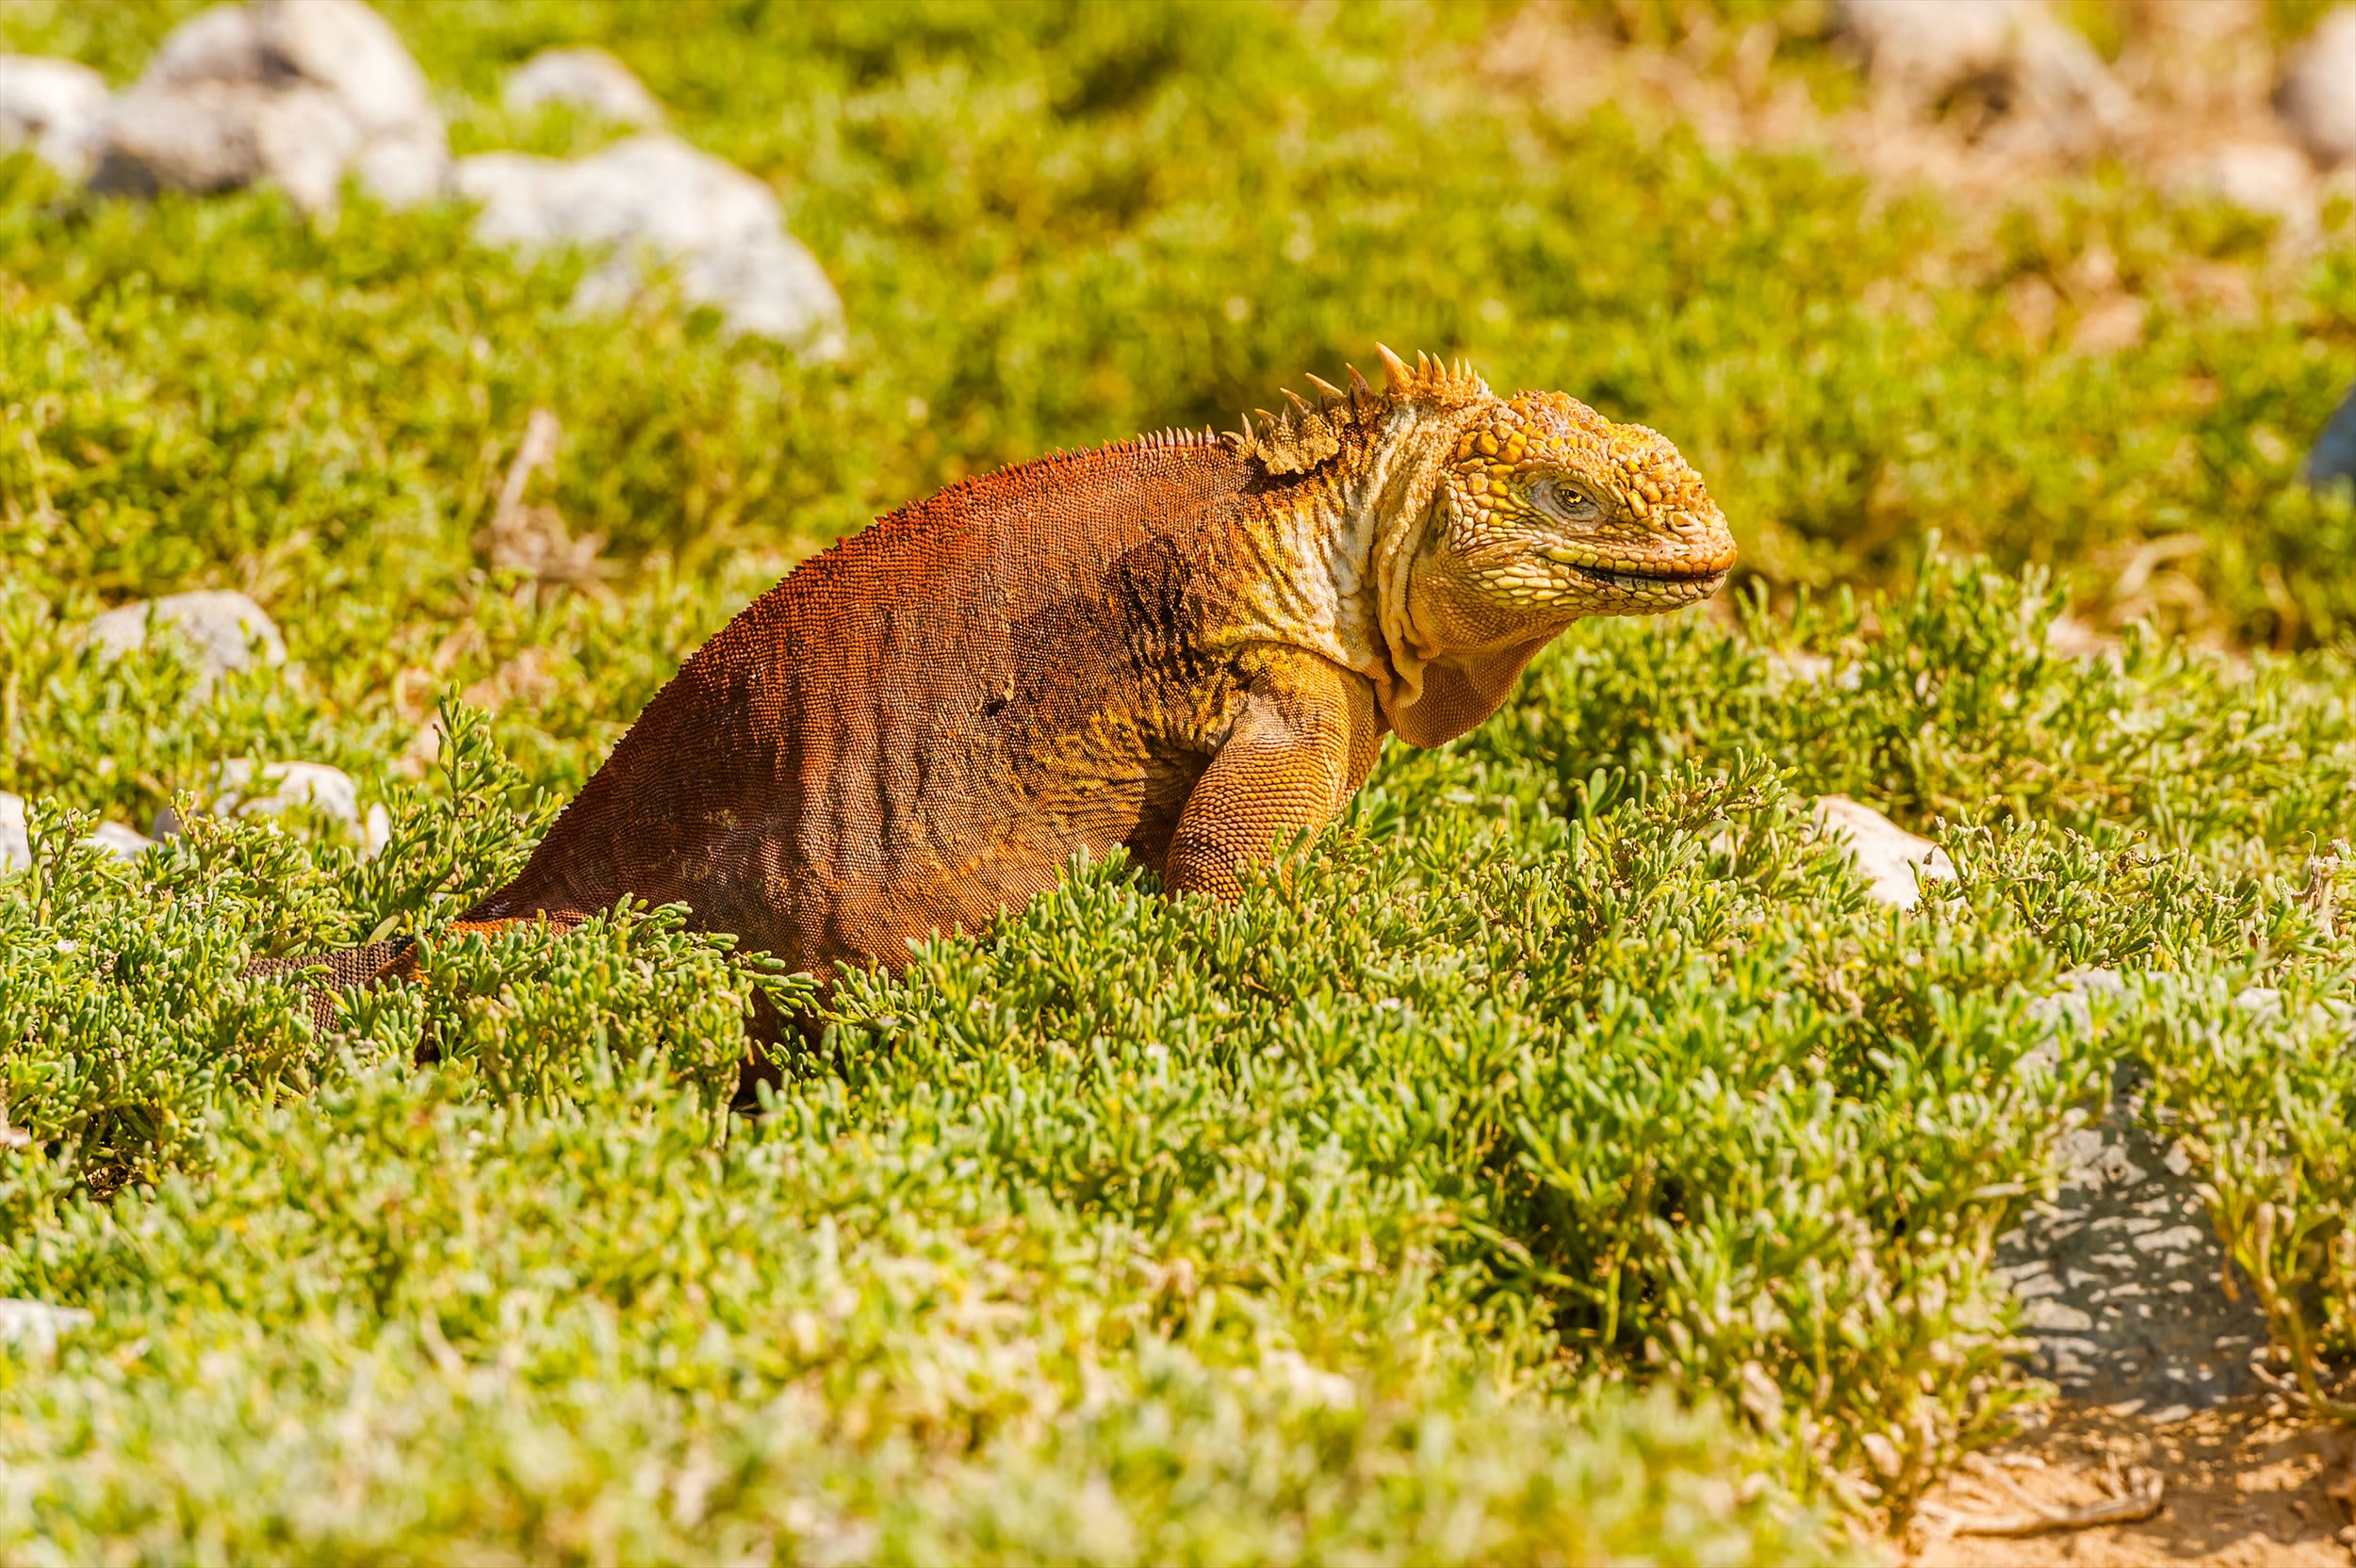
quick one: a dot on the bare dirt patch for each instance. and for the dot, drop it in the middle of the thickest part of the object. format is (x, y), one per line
(2128, 1311)
(2243, 1487)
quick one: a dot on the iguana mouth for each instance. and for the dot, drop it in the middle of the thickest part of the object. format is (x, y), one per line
(1710, 575)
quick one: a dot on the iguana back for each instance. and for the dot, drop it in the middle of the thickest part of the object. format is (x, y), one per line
(920, 726)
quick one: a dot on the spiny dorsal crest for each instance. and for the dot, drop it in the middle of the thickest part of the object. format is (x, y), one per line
(1306, 435)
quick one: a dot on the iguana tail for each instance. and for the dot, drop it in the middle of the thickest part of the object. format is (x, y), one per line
(346, 969)
(373, 964)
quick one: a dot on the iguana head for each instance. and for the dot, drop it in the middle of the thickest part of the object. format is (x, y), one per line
(1547, 512)
(1492, 524)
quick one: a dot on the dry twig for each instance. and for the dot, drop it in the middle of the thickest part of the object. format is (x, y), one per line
(2133, 1495)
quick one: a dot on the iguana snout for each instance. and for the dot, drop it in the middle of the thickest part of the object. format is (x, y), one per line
(1553, 513)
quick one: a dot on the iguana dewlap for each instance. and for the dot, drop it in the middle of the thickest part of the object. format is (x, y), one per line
(1185, 644)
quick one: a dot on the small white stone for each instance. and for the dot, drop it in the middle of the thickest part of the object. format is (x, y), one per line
(405, 169)
(305, 139)
(2068, 998)
(200, 136)
(347, 49)
(1893, 861)
(2267, 177)
(1927, 49)
(222, 44)
(2057, 96)
(16, 843)
(244, 788)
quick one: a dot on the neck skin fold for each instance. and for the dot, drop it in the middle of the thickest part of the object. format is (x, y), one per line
(1327, 567)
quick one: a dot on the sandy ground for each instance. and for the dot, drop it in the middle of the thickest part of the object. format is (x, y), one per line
(2160, 1377)
(2241, 1488)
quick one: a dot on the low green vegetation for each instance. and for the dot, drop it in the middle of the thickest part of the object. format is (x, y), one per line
(1561, 1159)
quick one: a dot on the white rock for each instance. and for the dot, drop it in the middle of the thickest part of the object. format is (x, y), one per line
(589, 78)
(2053, 85)
(2259, 176)
(211, 136)
(223, 628)
(242, 787)
(2072, 991)
(346, 48)
(2317, 97)
(37, 1325)
(291, 92)
(16, 845)
(2262, 1000)
(1928, 49)
(405, 169)
(199, 137)
(125, 843)
(1805, 669)
(1892, 861)
(55, 106)
(657, 201)
(222, 44)
(305, 140)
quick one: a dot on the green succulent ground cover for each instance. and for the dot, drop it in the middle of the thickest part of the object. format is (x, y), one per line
(1563, 1161)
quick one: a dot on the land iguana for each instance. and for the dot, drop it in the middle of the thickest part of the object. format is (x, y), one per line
(1186, 645)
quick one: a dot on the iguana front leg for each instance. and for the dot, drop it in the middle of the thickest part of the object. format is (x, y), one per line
(1306, 739)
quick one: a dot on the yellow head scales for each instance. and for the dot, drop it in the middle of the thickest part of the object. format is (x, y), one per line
(1526, 474)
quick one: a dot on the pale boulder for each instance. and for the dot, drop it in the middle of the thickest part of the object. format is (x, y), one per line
(2048, 88)
(123, 843)
(36, 1326)
(2267, 177)
(295, 93)
(16, 843)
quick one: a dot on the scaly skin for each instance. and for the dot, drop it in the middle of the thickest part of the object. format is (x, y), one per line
(1185, 645)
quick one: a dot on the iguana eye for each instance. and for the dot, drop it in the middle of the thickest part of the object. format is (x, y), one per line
(1559, 498)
